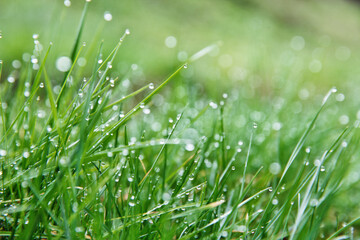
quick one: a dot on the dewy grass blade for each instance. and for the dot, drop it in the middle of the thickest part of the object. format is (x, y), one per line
(79, 33)
(32, 94)
(344, 228)
(293, 155)
(162, 149)
(132, 112)
(224, 215)
(110, 62)
(67, 77)
(306, 198)
(52, 103)
(108, 107)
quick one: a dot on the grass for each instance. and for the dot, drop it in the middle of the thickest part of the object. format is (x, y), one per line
(102, 157)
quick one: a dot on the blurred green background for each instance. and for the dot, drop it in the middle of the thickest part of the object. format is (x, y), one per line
(276, 59)
(314, 42)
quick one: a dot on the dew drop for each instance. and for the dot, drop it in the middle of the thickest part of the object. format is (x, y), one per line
(67, 3)
(146, 111)
(11, 79)
(151, 86)
(125, 152)
(26, 154)
(16, 64)
(275, 201)
(314, 202)
(79, 229)
(189, 147)
(107, 16)
(63, 64)
(213, 105)
(3, 153)
(170, 42)
(275, 168)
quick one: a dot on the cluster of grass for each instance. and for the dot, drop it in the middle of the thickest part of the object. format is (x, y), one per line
(100, 158)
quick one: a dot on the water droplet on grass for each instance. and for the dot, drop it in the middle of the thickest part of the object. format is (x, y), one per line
(79, 229)
(275, 201)
(63, 64)
(26, 154)
(16, 64)
(314, 202)
(340, 97)
(170, 42)
(275, 168)
(332, 90)
(11, 79)
(67, 3)
(125, 152)
(107, 16)
(213, 105)
(317, 162)
(189, 147)
(276, 126)
(344, 119)
(151, 86)
(3, 153)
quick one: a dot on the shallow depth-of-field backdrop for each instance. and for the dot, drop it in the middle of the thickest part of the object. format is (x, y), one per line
(266, 71)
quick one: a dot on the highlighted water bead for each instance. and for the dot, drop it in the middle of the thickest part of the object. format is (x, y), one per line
(67, 3)
(170, 42)
(63, 64)
(107, 16)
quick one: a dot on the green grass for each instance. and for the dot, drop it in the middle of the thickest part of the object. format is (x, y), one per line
(91, 154)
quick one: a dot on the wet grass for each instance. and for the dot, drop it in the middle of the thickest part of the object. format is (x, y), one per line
(101, 157)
